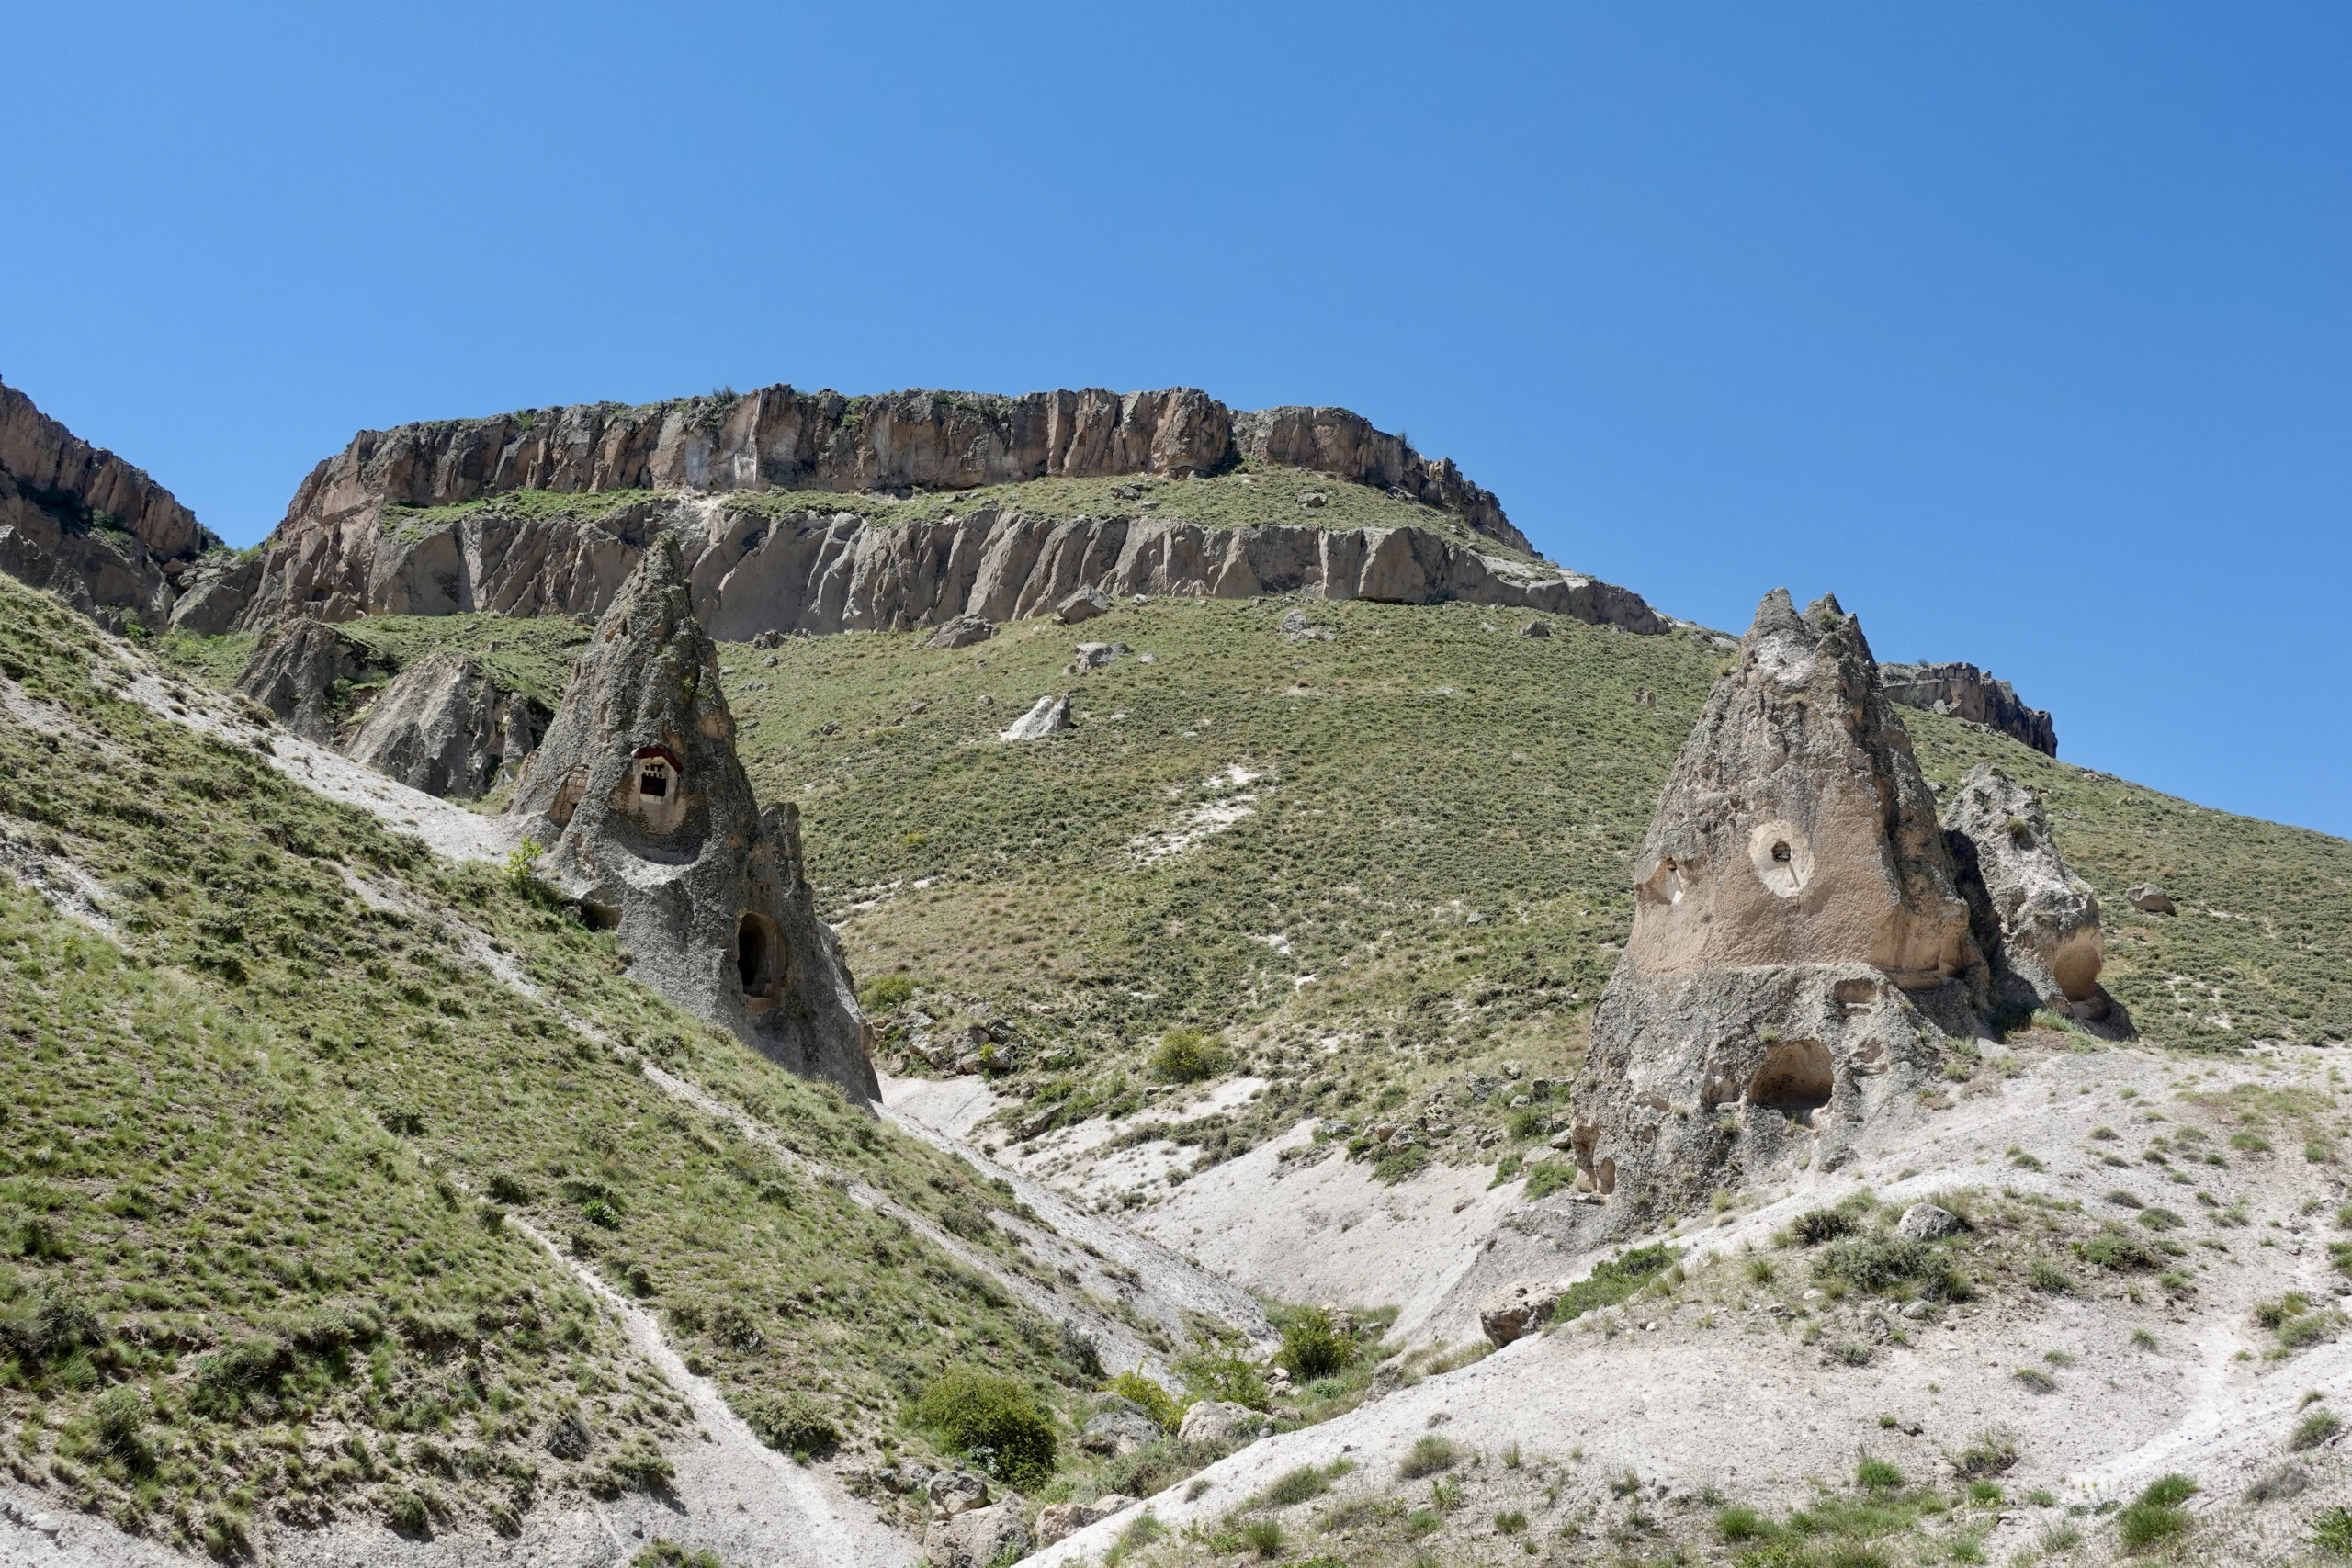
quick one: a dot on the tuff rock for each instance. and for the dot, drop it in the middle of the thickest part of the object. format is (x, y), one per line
(294, 673)
(1120, 1427)
(1792, 894)
(1925, 1221)
(962, 632)
(954, 1492)
(1965, 692)
(87, 525)
(1049, 716)
(1516, 1311)
(1219, 1421)
(2036, 921)
(650, 825)
(2151, 899)
(444, 726)
(979, 1538)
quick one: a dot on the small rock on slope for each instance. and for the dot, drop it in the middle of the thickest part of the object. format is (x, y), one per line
(1050, 717)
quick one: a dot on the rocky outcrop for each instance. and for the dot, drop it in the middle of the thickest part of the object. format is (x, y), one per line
(303, 673)
(754, 572)
(1965, 692)
(1516, 1311)
(444, 726)
(652, 827)
(2036, 921)
(1793, 896)
(81, 523)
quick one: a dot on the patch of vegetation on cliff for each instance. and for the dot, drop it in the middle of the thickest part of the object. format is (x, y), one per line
(269, 1143)
(584, 506)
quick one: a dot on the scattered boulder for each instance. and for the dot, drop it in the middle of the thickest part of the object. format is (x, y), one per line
(977, 1539)
(1536, 628)
(652, 827)
(1791, 898)
(1220, 1421)
(1313, 500)
(1516, 1311)
(1050, 717)
(2036, 921)
(962, 632)
(768, 639)
(1096, 656)
(954, 1492)
(2149, 899)
(1925, 1221)
(1295, 629)
(1119, 1428)
(1083, 606)
(444, 726)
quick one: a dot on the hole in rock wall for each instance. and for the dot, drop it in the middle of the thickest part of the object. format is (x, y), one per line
(657, 787)
(1782, 858)
(1794, 1078)
(759, 961)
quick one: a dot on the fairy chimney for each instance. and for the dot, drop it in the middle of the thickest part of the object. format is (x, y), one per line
(651, 824)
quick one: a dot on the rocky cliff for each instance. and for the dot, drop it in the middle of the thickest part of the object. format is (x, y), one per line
(81, 523)
(734, 476)
(1965, 692)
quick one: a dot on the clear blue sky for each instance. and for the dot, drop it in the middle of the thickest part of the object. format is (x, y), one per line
(2027, 329)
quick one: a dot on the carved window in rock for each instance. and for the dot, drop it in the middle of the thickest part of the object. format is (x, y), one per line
(1795, 1078)
(759, 961)
(656, 786)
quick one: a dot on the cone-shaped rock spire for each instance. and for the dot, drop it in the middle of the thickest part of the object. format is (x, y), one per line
(653, 828)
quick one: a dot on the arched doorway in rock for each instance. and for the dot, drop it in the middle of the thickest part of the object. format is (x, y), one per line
(657, 786)
(1794, 1078)
(759, 961)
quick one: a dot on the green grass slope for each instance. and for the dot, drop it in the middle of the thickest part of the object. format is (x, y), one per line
(266, 1150)
(1429, 814)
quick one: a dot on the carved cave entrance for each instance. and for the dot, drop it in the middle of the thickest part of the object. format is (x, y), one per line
(1794, 1078)
(759, 961)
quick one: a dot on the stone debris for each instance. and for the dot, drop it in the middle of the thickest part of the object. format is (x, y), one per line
(2035, 920)
(1097, 656)
(1925, 1221)
(651, 828)
(962, 632)
(1516, 1311)
(1219, 1421)
(1082, 605)
(979, 1538)
(1049, 716)
(1295, 629)
(1536, 628)
(2149, 899)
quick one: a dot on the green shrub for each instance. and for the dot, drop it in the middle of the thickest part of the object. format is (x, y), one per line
(1547, 1176)
(1817, 1225)
(2332, 1532)
(885, 992)
(2161, 1219)
(2036, 1379)
(1295, 1486)
(1213, 1370)
(1740, 1522)
(1881, 1264)
(1156, 1401)
(1430, 1456)
(1510, 1522)
(1312, 1347)
(2312, 1430)
(1526, 1122)
(2045, 1275)
(991, 1421)
(1990, 1453)
(2156, 1516)
(2117, 1248)
(1877, 1474)
(1264, 1537)
(670, 1554)
(1612, 1281)
(792, 1422)
(1187, 1055)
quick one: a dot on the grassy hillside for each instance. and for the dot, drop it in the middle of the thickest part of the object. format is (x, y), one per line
(267, 1145)
(1430, 815)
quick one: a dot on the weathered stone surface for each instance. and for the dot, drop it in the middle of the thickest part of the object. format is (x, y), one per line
(1925, 1221)
(1120, 1427)
(1536, 628)
(1966, 691)
(2036, 921)
(293, 675)
(976, 1539)
(1050, 717)
(444, 726)
(1795, 827)
(954, 1492)
(962, 632)
(1097, 656)
(1793, 888)
(84, 524)
(1083, 605)
(652, 826)
(1516, 1311)
(2150, 899)
(1220, 1421)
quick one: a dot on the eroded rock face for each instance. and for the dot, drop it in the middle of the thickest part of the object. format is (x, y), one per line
(294, 671)
(1795, 827)
(1966, 691)
(650, 823)
(1516, 1311)
(87, 525)
(445, 727)
(1795, 910)
(2037, 921)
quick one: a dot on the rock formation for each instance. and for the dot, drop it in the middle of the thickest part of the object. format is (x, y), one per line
(1965, 692)
(303, 673)
(80, 522)
(444, 726)
(1793, 896)
(2036, 921)
(652, 827)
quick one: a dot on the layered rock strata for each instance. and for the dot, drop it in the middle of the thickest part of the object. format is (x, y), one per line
(754, 574)
(651, 824)
(1795, 909)
(1965, 692)
(2036, 921)
(87, 525)
(447, 727)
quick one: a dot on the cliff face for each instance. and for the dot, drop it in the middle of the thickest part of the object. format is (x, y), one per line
(1966, 691)
(79, 521)
(811, 571)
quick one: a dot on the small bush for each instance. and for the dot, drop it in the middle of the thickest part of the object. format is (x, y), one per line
(2160, 1219)
(1546, 1177)
(2156, 1516)
(1741, 1523)
(1312, 1347)
(1264, 1537)
(670, 1554)
(2036, 1379)
(886, 992)
(793, 1423)
(1760, 1270)
(1877, 1475)
(1817, 1225)
(1294, 1487)
(1156, 1401)
(2309, 1329)
(2252, 1143)
(1511, 1522)
(1612, 1281)
(2332, 1532)
(1989, 1453)
(2043, 1274)
(1215, 1370)
(1430, 1456)
(2117, 1248)
(992, 1422)
(2312, 1430)
(1187, 1055)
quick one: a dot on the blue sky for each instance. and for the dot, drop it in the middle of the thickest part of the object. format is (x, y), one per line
(2027, 329)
